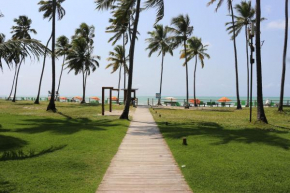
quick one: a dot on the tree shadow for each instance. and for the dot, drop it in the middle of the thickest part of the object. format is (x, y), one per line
(67, 126)
(6, 186)
(247, 135)
(10, 143)
(20, 155)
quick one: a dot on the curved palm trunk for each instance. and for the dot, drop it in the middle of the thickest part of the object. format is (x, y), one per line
(194, 78)
(41, 76)
(125, 114)
(119, 84)
(159, 100)
(15, 89)
(124, 48)
(186, 66)
(60, 74)
(51, 105)
(84, 88)
(12, 83)
(284, 58)
(260, 108)
(248, 70)
(236, 59)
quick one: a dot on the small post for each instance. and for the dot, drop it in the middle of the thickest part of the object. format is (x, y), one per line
(103, 102)
(184, 141)
(148, 102)
(159, 115)
(110, 100)
(166, 123)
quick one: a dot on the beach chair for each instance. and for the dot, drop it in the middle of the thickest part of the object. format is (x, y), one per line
(223, 104)
(208, 103)
(202, 103)
(243, 103)
(178, 104)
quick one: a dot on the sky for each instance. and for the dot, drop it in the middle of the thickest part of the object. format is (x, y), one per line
(217, 78)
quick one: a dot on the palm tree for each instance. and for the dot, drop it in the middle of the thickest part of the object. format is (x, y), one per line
(159, 42)
(62, 49)
(280, 108)
(181, 31)
(117, 59)
(47, 8)
(244, 18)
(126, 5)
(195, 49)
(21, 31)
(230, 8)
(80, 60)
(260, 108)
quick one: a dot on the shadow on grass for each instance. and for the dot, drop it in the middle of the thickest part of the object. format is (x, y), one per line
(67, 126)
(10, 143)
(226, 136)
(218, 110)
(6, 186)
(20, 155)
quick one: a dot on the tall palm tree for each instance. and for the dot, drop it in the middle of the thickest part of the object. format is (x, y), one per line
(181, 31)
(159, 42)
(80, 60)
(280, 108)
(230, 8)
(126, 5)
(47, 8)
(21, 31)
(195, 49)
(245, 16)
(117, 59)
(62, 49)
(261, 116)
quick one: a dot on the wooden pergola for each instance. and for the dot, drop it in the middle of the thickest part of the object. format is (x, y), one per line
(133, 90)
(110, 97)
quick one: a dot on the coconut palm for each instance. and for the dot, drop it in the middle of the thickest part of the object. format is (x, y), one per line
(117, 62)
(87, 32)
(126, 5)
(280, 108)
(261, 116)
(159, 42)
(181, 31)
(21, 31)
(245, 16)
(195, 49)
(80, 60)
(230, 8)
(62, 49)
(47, 8)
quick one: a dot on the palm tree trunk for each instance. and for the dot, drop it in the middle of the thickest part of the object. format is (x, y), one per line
(60, 74)
(119, 84)
(84, 88)
(186, 66)
(15, 88)
(51, 105)
(124, 47)
(41, 76)
(260, 108)
(159, 100)
(125, 114)
(284, 58)
(194, 78)
(236, 58)
(12, 83)
(248, 70)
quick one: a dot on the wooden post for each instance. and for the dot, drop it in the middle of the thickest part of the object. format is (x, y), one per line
(103, 101)
(110, 100)
(184, 142)
(148, 102)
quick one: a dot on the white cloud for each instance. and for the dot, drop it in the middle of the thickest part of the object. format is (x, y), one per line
(278, 24)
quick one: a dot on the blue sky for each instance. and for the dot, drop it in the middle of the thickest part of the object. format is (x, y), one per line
(217, 78)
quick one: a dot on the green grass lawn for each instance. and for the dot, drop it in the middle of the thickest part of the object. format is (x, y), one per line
(68, 151)
(226, 153)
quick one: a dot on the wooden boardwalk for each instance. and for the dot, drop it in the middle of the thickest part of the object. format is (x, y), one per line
(143, 162)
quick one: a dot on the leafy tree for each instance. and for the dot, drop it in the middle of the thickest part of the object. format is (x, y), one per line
(181, 31)
(47, 8)
(230, 8)
(159, 42)
(117, 62)
(21, 31)
(80, 60)
(280, 108)
(195, 49)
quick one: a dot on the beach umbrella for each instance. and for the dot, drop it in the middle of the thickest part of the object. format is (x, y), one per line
(95, 98)
(192, 101)
(224, 99)
(78, 97)
(62, 98)
(114, 98)
(170, 98)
